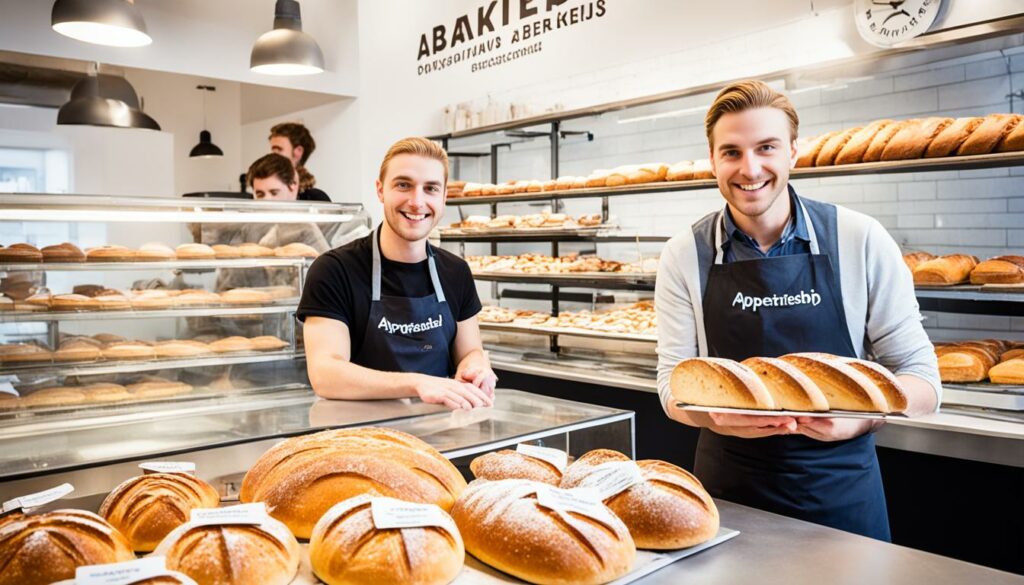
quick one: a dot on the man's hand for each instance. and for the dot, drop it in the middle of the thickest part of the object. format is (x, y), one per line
(455, 394)
(834, 429)
(478, 374)
(748, 426)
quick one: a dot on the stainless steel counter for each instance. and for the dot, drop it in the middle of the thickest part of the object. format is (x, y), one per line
(774, 549)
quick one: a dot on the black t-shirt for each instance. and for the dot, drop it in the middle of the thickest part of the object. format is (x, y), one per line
(313, 194)
(338, 285)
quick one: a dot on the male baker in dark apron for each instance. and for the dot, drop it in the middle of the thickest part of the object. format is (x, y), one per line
(389, 315)
(770, 274)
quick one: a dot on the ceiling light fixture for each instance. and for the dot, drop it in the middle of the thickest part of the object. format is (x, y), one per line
(104, 100)
(206, 148)
(286, 50)
(115, 23)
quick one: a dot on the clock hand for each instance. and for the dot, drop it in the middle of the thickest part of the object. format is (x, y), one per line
(894, 15)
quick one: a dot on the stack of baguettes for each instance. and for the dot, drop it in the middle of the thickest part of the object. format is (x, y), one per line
(961, 268)
(935, 137)
(1000, 361)
(811, 382)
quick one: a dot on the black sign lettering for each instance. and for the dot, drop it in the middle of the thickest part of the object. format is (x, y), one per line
(483, 19)
(525, 10)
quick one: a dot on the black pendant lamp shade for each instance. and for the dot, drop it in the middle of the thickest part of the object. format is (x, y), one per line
(286, 50)
(104, 100)
(115, 23)
(206, 148)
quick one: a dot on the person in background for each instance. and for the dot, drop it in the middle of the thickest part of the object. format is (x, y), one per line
(294, 142)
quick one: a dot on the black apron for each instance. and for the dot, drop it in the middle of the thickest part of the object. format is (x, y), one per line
(836, 484)
(406, 334)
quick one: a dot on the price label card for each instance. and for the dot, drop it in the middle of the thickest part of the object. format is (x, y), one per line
(555, 457)
(392, 513)
(613, 477)
(168, 467)
(255, 513)
(586, 501)
(127, 572)
(38, 499)
(8, 388)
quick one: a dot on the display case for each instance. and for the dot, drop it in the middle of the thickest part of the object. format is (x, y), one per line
(130, 306)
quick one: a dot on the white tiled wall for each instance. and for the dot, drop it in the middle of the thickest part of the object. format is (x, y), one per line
(978, 212)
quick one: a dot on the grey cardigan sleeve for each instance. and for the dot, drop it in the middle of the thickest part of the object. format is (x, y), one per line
(677, 327)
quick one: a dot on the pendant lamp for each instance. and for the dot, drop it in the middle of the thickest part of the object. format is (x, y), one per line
(104, 100)
(286, 50)
(115, 23)
(206, 148)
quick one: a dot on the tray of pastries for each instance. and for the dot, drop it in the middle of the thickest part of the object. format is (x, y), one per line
(996, 361)
(636, 321)
(544, 223)
(798, 384)
(997, 274)
(93, 297)
(67, 252)
(541, 264)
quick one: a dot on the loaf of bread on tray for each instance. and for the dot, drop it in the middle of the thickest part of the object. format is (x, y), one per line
(719, 382)
(509, 464)
(1010, 371)
(914, 259)
(964, 363)
(844, 386)
(999, 270)
(857, 144)
(945, 270)
(789, 387)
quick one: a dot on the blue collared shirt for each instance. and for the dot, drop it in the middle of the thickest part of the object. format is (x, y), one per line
(795, 238)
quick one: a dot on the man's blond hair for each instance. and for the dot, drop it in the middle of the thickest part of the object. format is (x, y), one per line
(747, 95)
(418, 146)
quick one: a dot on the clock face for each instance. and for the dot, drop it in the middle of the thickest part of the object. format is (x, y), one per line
(887, 23)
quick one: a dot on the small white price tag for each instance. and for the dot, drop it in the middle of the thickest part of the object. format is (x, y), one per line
(13, 379)
(613, 477)
(39, 498)
(127, 572)
(584, 501)
(8, 388)
(168, 467)
(392, 513)
(255, 513)
(555, 457)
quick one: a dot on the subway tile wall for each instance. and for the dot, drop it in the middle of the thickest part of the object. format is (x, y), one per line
(978, 212)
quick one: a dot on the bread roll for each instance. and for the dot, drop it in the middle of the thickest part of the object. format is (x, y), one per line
(76, 351)
(302, 477)
(1011, 354)
(43, 548)
(854, 149)
(296, 250)
(224, 251)
(346, 548)
(195, 252)
(881, 139)
(619, 176)
(999, 270)
(964, 363)
(895, 395)
(66, 252)
(235, 554)
(669, 509)
(267, 343)
(1008, 372)
(989, 135)
(702, 170)
(945, 270)
(833, 146)
(807, 153)
(681, 171)
(719, 382)
(1014, 141)
(148, 507)
(488, 189)
(598, 178)
(15, 353)
(129, 351)
(154, 389)
(790, 388)
(20, 253)
(153, 252)
(233, 343)
(648, 173)
(251, 250)
(503, 525)
(178, 348)
(105, 392)
(110, 253)
(950, 139)
(914, 259)
(843, 386)
(913, 139)
(471, 189)
(509, 464)
(57, 396)
(245, 296)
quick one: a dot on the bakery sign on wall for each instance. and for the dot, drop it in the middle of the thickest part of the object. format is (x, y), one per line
(500, 32)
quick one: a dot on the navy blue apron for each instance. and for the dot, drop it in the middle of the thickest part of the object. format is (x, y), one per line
(836, 484)
(406, 334)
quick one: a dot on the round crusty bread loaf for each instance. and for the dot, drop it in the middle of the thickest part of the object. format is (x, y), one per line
(505, 527)
(719, 382)
(44, 548)
(346, 548)
(233, 554)
(508, 464)
(670, 509)
(301, 478)
(148, 507)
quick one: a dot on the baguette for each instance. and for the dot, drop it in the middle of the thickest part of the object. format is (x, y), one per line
(960, 363)
(681, 171)
(950, 139)
(999, 270)
(891, 388)
(719, 382)
(881, 139)
(843, 386)
(807, 153)
(945, 270)
(914, 259)
(912, 140)
(1014, 141)
(790, 388)
(833, 146)
(989, 135)
(1008, 372)
(854, 149)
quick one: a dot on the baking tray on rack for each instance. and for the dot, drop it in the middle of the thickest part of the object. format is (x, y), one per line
(574, 332)
(984, 395)
(825, 414)
(599, 230)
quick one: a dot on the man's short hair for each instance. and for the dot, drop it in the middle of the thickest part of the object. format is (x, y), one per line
(270, 165)
(747, 95)
(298, 135)
(418, 146)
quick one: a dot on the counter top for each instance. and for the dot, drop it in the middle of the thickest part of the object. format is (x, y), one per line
(774, 549)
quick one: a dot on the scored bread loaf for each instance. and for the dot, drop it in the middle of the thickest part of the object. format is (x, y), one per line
(1011, 354)
(913, 139)
(949, 140)
(40, 549)
(301, 478)
(233, 554)
(833, 146)
(509, 464)
(858, 143)
(989, 135)
(807, 153)
(681, 171)
(719, 382)
(346, 548)
(1014, 140)
(148, 507)
(881, 140)
(790, 388)
(999, 270)
(964, 363)
(503, 525)
(895, 395)
(669, 509)
(1008, 372)
(945, 270)
(843, 386)
(914, 259)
